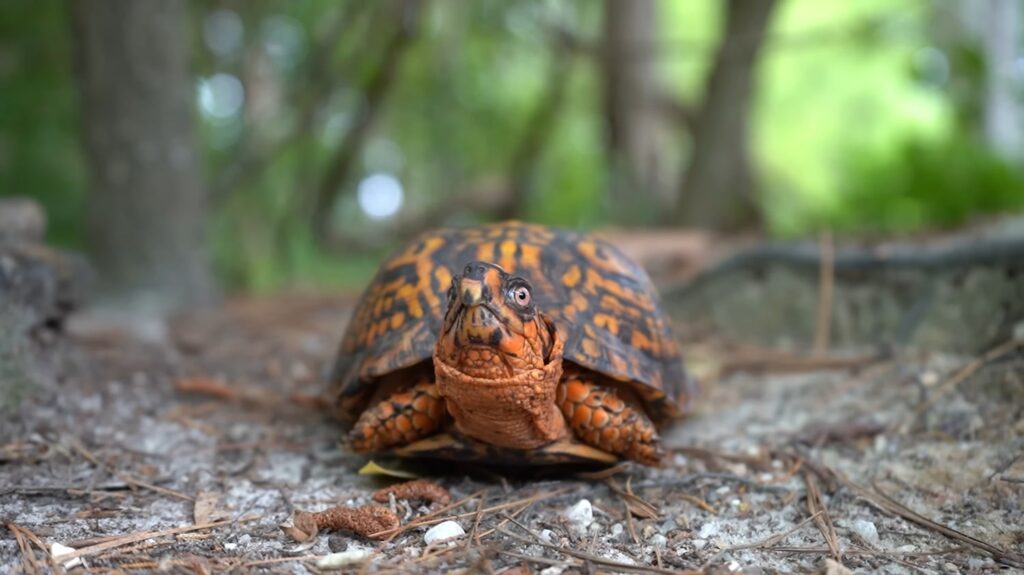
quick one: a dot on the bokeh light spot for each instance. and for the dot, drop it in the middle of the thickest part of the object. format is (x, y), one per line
(221, 96)
(380, 196)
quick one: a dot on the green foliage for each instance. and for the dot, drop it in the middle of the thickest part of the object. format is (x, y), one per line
(923, 184)
(846, 130)
(39, 145)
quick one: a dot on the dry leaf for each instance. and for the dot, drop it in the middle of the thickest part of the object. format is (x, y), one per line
(833, 567)
(202, 511)
(373, 468)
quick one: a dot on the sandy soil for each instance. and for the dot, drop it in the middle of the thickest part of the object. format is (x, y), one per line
(108, 445)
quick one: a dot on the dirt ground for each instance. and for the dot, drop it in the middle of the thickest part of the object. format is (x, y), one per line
(110, 444)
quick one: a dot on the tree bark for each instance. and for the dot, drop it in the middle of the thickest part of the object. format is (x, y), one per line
(631, 111)
(148, 211)
(719, 185)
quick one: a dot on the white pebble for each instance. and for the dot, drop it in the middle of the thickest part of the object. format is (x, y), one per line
(343, 558)
(553, 570)
(708, 530)
(548, 536)
(659, 540)
(56, 550)
(866, 529)
(907, 548)
(699, 544)
(442, 532)
(580, 515)
(616, 530)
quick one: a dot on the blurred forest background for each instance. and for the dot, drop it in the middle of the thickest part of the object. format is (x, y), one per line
(294, 143)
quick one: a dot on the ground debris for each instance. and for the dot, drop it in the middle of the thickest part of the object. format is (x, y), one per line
(417, 489)
(115, 462)
(366, 521)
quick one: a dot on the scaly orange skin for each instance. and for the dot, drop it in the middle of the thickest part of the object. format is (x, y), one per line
(498, 372)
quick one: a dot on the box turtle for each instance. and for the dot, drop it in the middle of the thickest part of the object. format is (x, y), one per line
(509, 343)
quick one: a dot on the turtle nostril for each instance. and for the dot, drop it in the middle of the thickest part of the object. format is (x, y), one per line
(475, 270)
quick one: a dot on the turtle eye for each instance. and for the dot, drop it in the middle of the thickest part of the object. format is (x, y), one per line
(520, 294)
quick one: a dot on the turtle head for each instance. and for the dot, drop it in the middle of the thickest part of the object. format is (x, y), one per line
(492, 328)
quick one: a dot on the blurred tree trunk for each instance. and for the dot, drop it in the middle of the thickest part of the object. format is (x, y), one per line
(1001, 43)
(148, 204)
(981, 41)
(719, 185)
(630, 106)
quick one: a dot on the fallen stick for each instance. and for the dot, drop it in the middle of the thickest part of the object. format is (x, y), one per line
(142, 536)
(879, 499)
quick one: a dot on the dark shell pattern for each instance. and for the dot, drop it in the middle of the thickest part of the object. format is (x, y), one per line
(600, 299)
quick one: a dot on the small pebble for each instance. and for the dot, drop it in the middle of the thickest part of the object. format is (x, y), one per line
(975, 564)
(553, 570)
(907, 548)
(950, 568)
(443, 531)
(548, 536)
(580, 515)
(866, 529)
(343, 558)
(658, 540)
(616, 530)
(699, 544)
(648, 531)
(708, 530)
(57, 549)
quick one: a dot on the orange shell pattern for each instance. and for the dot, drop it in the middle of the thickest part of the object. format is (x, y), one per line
(601, 300)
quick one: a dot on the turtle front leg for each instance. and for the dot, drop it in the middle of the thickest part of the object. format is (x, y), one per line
(599, 417)
(399, 419)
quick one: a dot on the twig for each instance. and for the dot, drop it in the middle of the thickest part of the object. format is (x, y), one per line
(697, 501)
(476, 524)
(629, 524)
(78, 446)
(25, 539)
(541, 560)
(826, 281)
(277, 560)
(143, 535)
(162, 490)
(959, 377)
(821, 517)
(867, 552)
(508, 517)
(879, 499)
(760, 544)
(635, 504)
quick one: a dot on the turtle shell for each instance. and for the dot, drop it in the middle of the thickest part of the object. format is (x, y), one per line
(601, 301)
